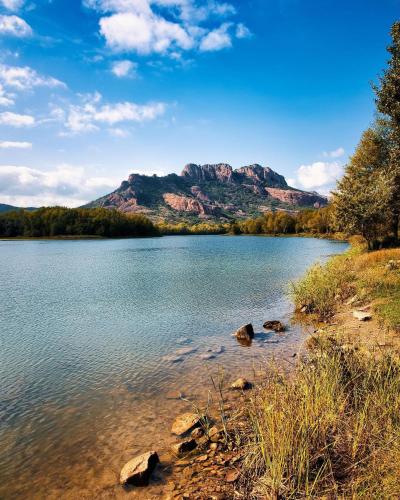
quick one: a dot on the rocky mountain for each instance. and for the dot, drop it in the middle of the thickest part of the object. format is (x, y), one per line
(208, 192)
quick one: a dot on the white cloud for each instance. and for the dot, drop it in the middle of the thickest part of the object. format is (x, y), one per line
(165, 26)
(14, 26)
(128, 31)
(91, 114)
(25, 78)
(12, 4)
(6, 99)
(118, 132)
(336, 153)
(242, 31)
(65, 185)
(15, 145)
(16, 120)
(124, 68)
(217, 39)
(319, 175)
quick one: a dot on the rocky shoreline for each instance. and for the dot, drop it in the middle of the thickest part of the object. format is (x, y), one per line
(205, 457)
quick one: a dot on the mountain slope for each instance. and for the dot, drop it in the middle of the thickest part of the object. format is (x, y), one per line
(9, 208)
(208, 191)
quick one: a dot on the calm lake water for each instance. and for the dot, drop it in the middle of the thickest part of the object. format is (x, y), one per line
(94, 334)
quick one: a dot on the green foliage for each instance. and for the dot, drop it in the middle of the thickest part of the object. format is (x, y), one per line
(183, 228)
(363, 197)
(59, 221)
(319, 290)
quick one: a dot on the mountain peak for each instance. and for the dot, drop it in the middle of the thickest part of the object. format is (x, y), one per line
(208, 191)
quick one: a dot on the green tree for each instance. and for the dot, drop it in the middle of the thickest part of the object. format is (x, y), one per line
(363, 196)
(388, 103)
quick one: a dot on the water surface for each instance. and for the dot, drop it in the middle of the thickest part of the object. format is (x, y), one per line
(89, 337)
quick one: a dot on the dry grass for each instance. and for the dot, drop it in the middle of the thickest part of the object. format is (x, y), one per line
(373, 277)
(330, 429)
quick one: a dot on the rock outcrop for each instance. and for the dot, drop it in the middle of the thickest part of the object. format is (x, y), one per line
(296, 197)
(207, 191)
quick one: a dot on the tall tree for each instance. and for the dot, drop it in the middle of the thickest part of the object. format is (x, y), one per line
(363, 196)
(388, 103)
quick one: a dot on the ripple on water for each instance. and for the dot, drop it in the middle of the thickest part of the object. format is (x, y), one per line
(87, 335)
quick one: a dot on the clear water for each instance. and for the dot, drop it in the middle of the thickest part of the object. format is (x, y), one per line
(87, 332)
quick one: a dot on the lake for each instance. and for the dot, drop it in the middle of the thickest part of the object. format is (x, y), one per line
(95, 335)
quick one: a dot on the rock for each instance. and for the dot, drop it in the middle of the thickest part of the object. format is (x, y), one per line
(197, 433)
(184, 447)
(245, 332)
(185, 351)
(175, 395)
(183, 340)
(216, 350)
(185, 423)
(202, 458)
(207, 355)
(172, 358)
(214, 434)
(213, 446)
(137, 471)
(296, 197)
(241, 384)
(232, 476)
(277, 326)
(362, 315)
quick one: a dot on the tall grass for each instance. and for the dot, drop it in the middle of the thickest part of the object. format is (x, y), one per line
(370, 276)
(331, 428)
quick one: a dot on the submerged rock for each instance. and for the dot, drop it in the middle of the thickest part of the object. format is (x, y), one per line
(185, 423)
(277, 326)
(241, 384)
(245, 332)
(137, 471)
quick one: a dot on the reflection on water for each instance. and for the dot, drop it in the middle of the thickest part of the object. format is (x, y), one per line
(95, 335)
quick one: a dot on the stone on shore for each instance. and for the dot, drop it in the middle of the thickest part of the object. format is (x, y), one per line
(184, 447)
(245, 332)
(277, 326)
(362, 315)
(241, 384)
(185, 423)
(137, 471)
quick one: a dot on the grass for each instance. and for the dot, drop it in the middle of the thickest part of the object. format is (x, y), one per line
(331, 429)
(371, 277)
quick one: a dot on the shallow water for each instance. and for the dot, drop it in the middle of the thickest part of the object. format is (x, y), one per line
(89, 336)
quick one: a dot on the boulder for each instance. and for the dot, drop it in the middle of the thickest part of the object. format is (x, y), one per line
(277, 326)
(185, 423)
(241, 384)
(184, 447)
(245, 332)
(362, 315)
(214, 434)
(137, 471)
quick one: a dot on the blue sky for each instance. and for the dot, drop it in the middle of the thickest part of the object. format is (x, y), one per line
(93, 90)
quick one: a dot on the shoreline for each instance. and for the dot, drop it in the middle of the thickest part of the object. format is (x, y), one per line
(218, 467)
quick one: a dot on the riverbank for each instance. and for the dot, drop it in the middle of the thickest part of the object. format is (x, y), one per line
(326, 425)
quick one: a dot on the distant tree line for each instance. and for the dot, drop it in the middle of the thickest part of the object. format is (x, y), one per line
(59, 221)
(367, 199)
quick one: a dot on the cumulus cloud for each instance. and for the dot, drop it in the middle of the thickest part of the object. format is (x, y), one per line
(91, 113)
(242, 31)
(14, 26)
(124, 68)
(25, 78)
(217, 39)
(65, 185)
(15, 145)
(6, 99)
(16, 120)
(321, 176)
(336, 153)
(12, 4)
(165, 26)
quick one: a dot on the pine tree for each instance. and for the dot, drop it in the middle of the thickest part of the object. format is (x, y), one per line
(388, 103)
